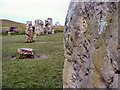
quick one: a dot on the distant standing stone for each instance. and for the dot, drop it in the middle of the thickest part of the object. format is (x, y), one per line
(39, 27)
(29, 32)
(48, 26)
(9, 33)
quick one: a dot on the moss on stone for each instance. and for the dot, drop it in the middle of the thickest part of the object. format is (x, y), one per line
(95, 79)
(97, 59)
(66, 72)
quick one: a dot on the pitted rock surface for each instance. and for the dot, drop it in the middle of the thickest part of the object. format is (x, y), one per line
(90, 45)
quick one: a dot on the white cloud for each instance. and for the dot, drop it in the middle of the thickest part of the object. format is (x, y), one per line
(23, 10)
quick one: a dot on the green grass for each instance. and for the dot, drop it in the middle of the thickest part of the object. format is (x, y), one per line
(33, 73)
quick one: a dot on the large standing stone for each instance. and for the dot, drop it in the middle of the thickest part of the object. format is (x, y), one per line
(48, 26)
(29, 32)
(90, 44)
(39, 27)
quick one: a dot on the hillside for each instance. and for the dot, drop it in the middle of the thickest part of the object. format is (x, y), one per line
(8, 23)
(21, 26)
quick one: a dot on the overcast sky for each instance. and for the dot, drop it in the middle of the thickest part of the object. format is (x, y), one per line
(23, 10)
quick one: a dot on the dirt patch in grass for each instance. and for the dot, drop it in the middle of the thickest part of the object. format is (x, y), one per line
(35, 56)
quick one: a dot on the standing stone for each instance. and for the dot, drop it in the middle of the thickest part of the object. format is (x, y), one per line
(90, 44)
(57, 24)
(39, 27)
(48, 26)
(29, 32)
(9, 33)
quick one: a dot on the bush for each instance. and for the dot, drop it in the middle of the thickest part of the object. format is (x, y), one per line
(58, 28)
(20, 32)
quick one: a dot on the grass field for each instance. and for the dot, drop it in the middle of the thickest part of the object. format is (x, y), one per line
(33, 73)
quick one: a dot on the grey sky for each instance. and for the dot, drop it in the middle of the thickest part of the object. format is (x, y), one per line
(23, 10)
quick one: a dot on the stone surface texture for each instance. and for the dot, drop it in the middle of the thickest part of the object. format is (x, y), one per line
(39, 27)
(48, 26)
(91, 45)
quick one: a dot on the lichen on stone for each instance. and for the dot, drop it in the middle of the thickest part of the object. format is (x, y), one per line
(91, 45)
